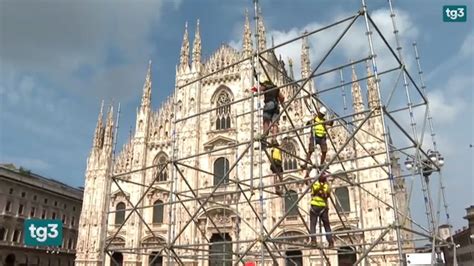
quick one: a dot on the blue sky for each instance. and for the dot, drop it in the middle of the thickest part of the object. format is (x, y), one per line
(59, 59)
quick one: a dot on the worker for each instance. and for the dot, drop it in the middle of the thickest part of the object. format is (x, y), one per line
(318, 136)
(276, 165)
(272, 98)
(320, 192)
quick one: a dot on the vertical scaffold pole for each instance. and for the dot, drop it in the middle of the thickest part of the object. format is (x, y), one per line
(343, 90)
(259, 128)
(109, 184)
(382, 117)
(174, 178)
(435, 148)
(428, 202)
(424, 183)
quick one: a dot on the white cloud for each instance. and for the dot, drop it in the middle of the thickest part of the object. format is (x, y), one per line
(466, 47)
(445, 107)
(57, 39)
(353, 46)
(461, 61)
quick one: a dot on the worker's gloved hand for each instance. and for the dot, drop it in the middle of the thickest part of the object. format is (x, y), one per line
(254, 89)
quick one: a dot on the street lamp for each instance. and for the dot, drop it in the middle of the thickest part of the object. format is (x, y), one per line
(436, 157)
(426, 167)
(409, 163)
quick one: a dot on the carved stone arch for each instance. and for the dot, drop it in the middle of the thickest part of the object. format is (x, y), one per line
(216, 210)
(225, 219)
(340, 173)
(294, 183)
(150, 241)
(346, 227)
(116, 242)
(342, 238)
(119, 196)
(161, 163)
(221, 88)
(222, 116)
(158, 194)
(291, 235)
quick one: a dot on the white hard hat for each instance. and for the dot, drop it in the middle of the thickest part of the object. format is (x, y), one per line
(323, 110)
(313, 173)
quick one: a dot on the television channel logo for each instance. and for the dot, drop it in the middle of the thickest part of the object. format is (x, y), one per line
(454, 13)
(43, 232)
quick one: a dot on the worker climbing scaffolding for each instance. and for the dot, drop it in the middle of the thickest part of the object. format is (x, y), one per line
(320, 192)
(276, 165)
(318, 136)
(278, 235)
(271, 110)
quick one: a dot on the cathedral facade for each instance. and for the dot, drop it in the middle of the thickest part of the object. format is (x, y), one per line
(198, 178)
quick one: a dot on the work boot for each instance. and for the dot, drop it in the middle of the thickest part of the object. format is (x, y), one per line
(312, 243)
(331, 243)
(260, 136)
(278, 190)
(274, 144)
(321, 167)
(304, 166)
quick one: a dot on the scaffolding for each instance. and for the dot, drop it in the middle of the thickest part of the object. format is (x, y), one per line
(255, 192)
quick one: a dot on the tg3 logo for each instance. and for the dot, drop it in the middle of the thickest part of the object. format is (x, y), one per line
(43, 232)
(454, 13)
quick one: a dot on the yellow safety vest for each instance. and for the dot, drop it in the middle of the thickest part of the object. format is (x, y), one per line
(319, 194)
(276, 154)
(318, 128)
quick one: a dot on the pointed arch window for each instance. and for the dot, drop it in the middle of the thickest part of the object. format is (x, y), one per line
(220, 250)
(155, 259)
(161, 171)
(343, 201)
(293, 258)
(223, 111)
(3, 233)
(288, 157)
(221, 168)
(120, 213)
(158, 212)
(117, 259)
(290, 198)
(346, 256)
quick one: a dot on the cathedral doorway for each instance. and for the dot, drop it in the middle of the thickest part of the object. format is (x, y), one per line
(294, 258)
(346, 256)
(10, 260)
(152, 261)
(220, 254)
(117, 259)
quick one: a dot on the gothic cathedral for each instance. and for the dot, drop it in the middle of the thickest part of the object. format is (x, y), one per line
(178, 155)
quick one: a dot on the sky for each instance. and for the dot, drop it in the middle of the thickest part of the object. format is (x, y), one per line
(60, 59)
